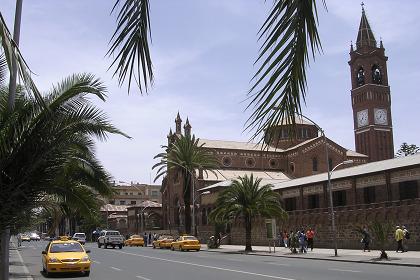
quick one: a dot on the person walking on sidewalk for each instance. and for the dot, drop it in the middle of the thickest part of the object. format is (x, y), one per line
(285, 239)
(19, 239)
(406, 237)
(310, 234)
(302, 241)
(366, 239)
(399, 236)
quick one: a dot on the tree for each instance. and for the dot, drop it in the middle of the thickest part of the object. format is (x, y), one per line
(49, 149)
(187, 156)
(245, 198)
(381, 231)
(406, 150)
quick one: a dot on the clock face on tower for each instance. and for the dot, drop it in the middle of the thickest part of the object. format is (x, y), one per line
(381, 116)
(362, 118)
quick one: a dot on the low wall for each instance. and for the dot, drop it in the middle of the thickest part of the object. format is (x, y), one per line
(406, 212)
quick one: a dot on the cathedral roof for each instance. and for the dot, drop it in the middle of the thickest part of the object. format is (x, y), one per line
(234, 145)
(367, 168)
(226, 176)
(365, 35)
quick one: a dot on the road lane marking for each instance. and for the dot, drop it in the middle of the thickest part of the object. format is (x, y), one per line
(141, 277)
(279, 264)
(343, 270)
(97, 262)
(207, 266)
(114, 268)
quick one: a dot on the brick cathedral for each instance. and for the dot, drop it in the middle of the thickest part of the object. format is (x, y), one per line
(304, 156)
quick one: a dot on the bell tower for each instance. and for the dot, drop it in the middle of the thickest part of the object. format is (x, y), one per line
(370, 95)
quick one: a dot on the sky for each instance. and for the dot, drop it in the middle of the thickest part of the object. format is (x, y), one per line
(203, 52)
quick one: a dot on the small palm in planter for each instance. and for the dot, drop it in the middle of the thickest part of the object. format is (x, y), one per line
(380, 231)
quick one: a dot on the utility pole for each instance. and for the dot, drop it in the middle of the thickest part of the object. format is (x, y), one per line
(5, 235)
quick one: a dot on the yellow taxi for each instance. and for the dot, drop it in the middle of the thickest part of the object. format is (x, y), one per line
(65, 256)
(134, 240)
(25, 237)
(163, 241)
(186, 242)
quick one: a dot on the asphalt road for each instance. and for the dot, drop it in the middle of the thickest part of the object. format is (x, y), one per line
(156, 264)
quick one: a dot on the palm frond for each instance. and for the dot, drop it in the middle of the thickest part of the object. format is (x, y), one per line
(12, 53)
(280, 81)
(130, 43)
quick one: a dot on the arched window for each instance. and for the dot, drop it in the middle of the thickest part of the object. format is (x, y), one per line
(292, 167)
(360, 78)
(314, 164)
(376, 75)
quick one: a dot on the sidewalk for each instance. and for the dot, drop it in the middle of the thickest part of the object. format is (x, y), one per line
(344, 255)
(17, 268)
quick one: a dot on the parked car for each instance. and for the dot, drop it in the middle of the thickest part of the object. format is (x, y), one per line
(34, 236)
(186, 243)
(134, 240)
(65, 256)
(110, 238)
(79, 236)
(163, 241)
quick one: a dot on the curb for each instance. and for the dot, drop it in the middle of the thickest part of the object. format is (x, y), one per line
(313, 258)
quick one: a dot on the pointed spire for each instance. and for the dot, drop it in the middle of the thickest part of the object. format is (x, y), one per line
(351, 46)
(365, 36)
(170, 133)
(187, 127)
(381, 45)
(178, 122)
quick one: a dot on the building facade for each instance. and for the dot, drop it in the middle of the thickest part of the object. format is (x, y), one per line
(385, 191)
(135, 193)
(297, 165)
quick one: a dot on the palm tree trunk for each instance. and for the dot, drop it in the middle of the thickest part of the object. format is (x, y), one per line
(187, 201)
(248, 228)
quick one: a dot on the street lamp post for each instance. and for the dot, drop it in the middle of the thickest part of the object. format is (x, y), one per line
(329, 179)
(141, 216)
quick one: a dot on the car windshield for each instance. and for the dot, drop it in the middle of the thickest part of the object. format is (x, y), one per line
(189, 238)
(65, 247)
(112, 233)
(135, 236)
(80, 235)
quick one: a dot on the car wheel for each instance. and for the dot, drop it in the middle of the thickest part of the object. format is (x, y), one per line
(120, 246)
(87, 273)
(154, 247)
(113, 246)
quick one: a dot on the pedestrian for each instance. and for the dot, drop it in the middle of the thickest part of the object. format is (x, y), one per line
(406, 237)
(310, 234)
(302, 241)
(145, 239)
(366, 239)
(19, 239)
(285, 239)
(399, 236)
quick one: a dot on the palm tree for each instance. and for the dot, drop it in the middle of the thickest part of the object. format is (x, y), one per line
(187, 156)
(245, 198)
(49, 149)
(381, 232)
